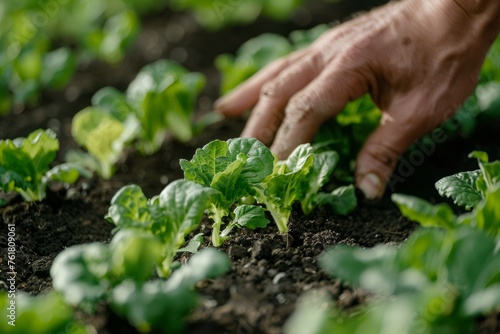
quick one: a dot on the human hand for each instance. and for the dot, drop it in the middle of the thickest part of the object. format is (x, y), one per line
(418, 59)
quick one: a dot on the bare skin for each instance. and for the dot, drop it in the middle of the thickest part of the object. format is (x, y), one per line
(418, 59)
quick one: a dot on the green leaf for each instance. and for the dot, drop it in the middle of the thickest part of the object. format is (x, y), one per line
(165, 304)
(24, 161)
(342, 200)
(483, 302)
(102, 135)
(113, 102)
(134, 254)
(151, 305)
(324, 164)
(252, 56)
(183, 202)
(204, 165)
(424, 213)
(129, 208)
(208, 263)
(259, 162)
(251, 216)
(66, 173)
(287, 184)
(164, 96)
(461, 188)
(371, 269)
(79, 273)
(486, 216)
(479, 155)
(45, 313)
(58, 68)
(194, 244)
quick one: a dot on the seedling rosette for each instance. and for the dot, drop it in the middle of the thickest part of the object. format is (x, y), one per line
(25, 163)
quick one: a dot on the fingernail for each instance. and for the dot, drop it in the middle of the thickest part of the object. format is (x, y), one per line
(371, 186)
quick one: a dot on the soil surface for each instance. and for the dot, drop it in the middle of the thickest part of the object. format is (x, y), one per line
(269, 271)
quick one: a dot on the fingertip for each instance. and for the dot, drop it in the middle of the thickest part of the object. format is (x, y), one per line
(371, 185)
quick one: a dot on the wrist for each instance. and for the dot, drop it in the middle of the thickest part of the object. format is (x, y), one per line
(484, 15)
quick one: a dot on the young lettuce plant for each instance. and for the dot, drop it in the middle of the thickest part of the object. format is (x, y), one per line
(299, 179)
(232, 170)
(170, 216)
(117, 274)
(215, 15)
(431, 284)
(468, 189)
(160, 100)
(25, 162)
(41, 314)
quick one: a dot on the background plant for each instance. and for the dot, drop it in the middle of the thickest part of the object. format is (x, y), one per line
(25, 163)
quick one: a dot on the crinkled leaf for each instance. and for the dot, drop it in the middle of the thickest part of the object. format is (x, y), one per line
(24, 161)
(129, 208)
(461, 188)
(102, 135)
(230, 182)
(204, 165)
(259, 162)
(342, 200)
(424, 213)
(251, 216)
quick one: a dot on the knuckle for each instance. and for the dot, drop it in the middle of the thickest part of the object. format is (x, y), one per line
(271, 88)
(300, 108)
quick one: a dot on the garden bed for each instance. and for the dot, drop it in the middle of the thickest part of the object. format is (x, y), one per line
(269, 271)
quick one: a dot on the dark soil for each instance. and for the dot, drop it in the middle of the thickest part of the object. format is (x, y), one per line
(269, 271)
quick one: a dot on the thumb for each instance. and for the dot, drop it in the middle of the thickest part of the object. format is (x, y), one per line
(379, 155)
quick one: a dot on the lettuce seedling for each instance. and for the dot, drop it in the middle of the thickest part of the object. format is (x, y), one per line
(432, 282)
(300, 178)
(117, 274)
(170, 217)
(41, 314)
(164, 305)
(163, 96)
(25, 162)
(486, 215)
(160, 100)
(468, 189)
(216, 15)
(232, 170)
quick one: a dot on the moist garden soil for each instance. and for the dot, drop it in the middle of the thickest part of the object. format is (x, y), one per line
(269, 271)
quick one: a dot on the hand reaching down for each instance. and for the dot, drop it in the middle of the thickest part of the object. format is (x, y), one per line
(418, 59)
